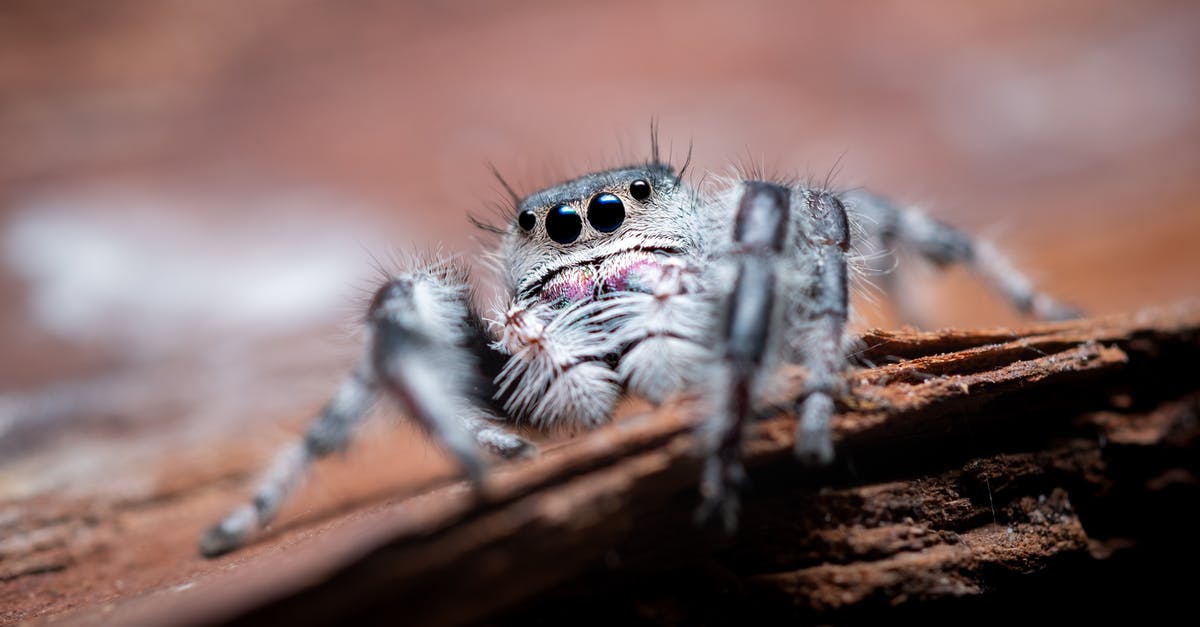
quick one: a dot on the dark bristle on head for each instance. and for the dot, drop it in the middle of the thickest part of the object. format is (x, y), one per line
(516, 199)
(485, 226)
(687, 161)
(660, 175)
(654, 153)
(582, 188)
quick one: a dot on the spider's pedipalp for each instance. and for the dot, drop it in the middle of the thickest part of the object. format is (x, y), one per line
(557, 371)
(666, 332)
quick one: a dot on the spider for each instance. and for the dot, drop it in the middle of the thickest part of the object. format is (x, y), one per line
(630, 280)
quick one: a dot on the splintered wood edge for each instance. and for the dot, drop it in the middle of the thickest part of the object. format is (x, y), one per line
(880, 345)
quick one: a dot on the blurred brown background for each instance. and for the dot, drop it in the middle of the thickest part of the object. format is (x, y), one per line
(190, 192)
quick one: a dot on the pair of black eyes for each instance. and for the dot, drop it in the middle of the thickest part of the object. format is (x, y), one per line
(605, 213)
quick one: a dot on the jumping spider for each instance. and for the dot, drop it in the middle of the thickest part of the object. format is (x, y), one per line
(630, 280)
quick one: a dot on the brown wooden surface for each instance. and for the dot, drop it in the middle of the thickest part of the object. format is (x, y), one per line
(187, 188)
(923, 507)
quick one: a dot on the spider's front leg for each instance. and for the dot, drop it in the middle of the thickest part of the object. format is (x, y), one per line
(789, 284)
(422, 350)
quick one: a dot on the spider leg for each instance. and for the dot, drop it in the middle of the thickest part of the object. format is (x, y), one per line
(354, 398)
(790, 290)
(418, 352)
(943, 244)
(759, 235)
(418, 355)
(825, 238)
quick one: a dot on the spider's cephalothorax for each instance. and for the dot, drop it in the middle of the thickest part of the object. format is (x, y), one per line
(630, 281)
(604, 277)
(597, 218)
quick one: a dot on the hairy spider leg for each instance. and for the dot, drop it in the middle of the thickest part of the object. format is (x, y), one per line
(907, 227)
(419, 352)
(760, 232)
(825, 230)
(353, 399)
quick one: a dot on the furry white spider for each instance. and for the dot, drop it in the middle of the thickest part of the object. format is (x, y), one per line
(630, 280)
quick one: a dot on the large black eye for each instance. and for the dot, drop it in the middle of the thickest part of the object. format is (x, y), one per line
(563, 224)
(639, 189)
(527, 220)
(606, 212)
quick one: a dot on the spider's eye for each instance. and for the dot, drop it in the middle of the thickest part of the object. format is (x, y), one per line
(606, 212)
(527, 220)
(639, 189)
(563, 224)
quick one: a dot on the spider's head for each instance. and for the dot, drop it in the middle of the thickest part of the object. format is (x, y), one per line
(589, 218)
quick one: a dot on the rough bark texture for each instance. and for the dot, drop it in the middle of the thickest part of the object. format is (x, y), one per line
(981, 470)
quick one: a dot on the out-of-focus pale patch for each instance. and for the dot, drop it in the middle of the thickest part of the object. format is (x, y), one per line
(207, 301)
(1056, 105)
(154, 271)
